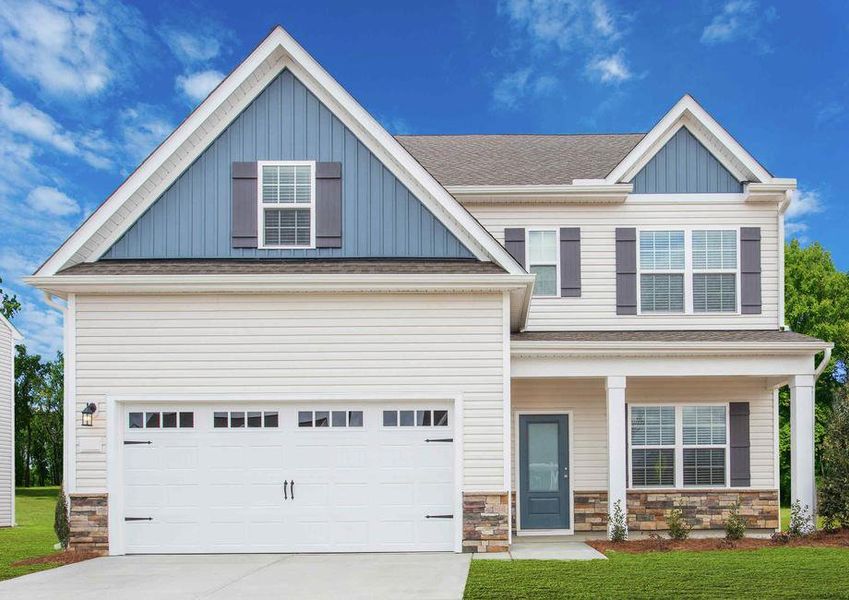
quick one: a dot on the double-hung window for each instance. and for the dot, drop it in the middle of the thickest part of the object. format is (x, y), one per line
(542, 261)
(662, 268)
(678, 446)
(715, 270)
(653, 446)
(287, 204)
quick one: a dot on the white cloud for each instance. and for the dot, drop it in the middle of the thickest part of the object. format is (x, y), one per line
(739, 19)
(194, 46)
(610, 69)
(197, 86)
(14, 266)
(26, 120)
(41, 327)
(521, 84)
(394, 124)
(70, 48)
(803, 204)
(566, 24)
(52, 201)
(142, 128)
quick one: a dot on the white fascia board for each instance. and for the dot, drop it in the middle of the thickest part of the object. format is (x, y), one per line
(688, 110)
(292, 56)
(778, 190)
(666, 349)
(16, 335)
(596, 192)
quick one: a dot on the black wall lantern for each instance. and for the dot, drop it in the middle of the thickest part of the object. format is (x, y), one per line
(88, 413)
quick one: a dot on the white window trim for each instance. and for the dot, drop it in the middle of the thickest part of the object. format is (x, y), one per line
(415, 425)
(261, 206)
(556, 231)
(679, 447)
(689, 271)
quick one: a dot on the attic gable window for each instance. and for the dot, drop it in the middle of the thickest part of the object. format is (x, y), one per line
(287, 204)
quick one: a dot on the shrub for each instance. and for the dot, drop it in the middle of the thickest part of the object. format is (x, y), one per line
(60, 519)
(780, 537)
(801, 523)
(679, 529)
(834, 485)
(618, 532)
(735, 524)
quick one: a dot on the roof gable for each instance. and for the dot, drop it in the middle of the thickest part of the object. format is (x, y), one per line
(278, 51)
(381, 217)
(684, 166)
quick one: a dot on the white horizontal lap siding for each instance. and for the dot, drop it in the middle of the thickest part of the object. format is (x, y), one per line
(7, 434)
(596, 308)
(311, 344)
(585, 399)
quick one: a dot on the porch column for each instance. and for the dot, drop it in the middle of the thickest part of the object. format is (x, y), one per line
(802, 482)
(616, 451)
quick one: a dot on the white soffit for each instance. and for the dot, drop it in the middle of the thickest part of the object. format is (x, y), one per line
(278, 51)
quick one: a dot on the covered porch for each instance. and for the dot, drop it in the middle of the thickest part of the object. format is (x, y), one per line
(650, 421)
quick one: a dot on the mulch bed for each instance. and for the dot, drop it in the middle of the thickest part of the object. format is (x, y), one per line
(58, 558)
(839, 539)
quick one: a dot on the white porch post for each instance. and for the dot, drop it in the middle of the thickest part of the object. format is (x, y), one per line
(802, 481)
(616, 464)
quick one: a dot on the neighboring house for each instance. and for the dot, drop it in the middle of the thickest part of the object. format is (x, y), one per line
(291, 332)
(9, 336)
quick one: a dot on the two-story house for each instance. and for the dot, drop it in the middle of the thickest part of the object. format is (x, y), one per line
(289, 331)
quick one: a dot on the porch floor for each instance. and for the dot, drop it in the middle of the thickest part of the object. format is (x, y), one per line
(544, 549)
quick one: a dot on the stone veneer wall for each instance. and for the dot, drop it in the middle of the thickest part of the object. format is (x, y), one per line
(486, 526)
(703, 509)
(89, 523)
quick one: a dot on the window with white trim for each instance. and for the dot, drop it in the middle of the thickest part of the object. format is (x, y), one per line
(714, 270)
(678, 446)
(662, 269)
(287, 204)
(542, 261)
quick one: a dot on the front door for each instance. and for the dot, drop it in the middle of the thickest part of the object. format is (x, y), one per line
(544, 471)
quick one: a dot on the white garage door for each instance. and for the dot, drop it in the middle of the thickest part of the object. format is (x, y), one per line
(285, 478)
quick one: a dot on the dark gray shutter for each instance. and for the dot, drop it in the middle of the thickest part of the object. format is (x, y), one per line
(243, 221)
(626, 271)
(514, 242)
(328, 205)
(738, 417)
(570, 262)
(750, 270)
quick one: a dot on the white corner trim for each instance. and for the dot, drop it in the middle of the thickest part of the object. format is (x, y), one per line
(292, 56)
(688, 111)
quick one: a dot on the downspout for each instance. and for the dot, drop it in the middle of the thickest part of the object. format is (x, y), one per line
(823, 364)
(50, 300)
(67, 420)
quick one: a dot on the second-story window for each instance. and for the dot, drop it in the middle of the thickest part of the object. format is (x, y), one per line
(287, 203)
(662, 267)
(542, 260)
(715, 270)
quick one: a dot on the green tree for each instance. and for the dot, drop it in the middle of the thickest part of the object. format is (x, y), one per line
(834, 486)
(816, 303)
(9, 305)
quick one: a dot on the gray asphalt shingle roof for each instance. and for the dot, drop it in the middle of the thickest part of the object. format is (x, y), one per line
(519, 159)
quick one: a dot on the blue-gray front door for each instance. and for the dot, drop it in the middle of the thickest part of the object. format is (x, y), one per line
(544, 471)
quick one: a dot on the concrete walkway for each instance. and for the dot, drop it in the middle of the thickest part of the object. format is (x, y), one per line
(542, 550)
(375, 576)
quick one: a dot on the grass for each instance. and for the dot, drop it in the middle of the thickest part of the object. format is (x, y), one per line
(33, 535)
(785, 519)
(768, 573)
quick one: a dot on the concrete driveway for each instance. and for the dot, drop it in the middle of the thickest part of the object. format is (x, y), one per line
(435, 576)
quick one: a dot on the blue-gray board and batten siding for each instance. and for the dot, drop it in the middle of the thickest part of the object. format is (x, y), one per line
(380, 218)
(685, 166)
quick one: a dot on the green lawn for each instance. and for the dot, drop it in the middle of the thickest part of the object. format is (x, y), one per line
(34, 534)
(785, 519)
(769, 573)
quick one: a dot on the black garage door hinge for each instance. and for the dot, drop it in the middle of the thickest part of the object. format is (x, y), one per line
(439, 440)
(138, 518)
(133, 442)
(439, 516)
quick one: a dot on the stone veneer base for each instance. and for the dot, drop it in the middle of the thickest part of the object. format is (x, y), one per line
(89, 523)
(703, 509)
(486, 526)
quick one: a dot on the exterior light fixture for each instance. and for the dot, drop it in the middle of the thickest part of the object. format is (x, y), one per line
(88, 413)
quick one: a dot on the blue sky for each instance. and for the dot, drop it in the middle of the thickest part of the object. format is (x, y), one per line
(88, 88)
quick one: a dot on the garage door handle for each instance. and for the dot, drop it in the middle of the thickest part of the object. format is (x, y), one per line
(134, 442)
(138, 518)
(292, 485)
(439, 516)
(439, 440)
(285, 495)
